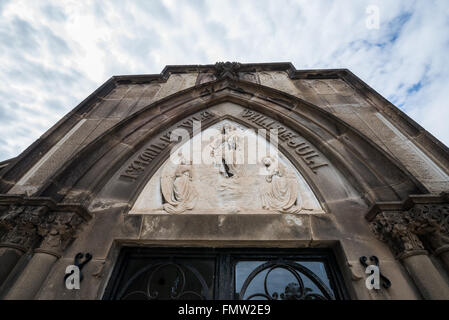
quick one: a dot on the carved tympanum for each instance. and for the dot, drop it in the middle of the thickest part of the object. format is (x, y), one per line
(225, 170)
(177, 189)
(280, 192)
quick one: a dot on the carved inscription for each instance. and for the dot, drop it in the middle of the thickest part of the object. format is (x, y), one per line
(290, 139)
(139, 164)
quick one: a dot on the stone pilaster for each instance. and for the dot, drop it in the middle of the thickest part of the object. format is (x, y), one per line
(57, 230)
(19, 225)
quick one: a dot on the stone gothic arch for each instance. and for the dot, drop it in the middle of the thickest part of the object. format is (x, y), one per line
(369, 170)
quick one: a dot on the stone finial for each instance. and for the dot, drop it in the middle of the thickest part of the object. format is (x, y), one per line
(227, 69)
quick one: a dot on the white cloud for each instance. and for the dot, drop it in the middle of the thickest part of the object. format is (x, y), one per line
(55, 53)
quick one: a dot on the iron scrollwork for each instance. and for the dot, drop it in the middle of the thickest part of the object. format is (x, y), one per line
(293, 290)
(176, 289)
(386, 283)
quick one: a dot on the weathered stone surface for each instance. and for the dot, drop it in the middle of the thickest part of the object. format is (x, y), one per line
(107, 225)
(249, 228)
(54, 286)
(32, 277)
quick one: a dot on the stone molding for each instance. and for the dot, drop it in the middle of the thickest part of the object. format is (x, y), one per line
(419, 223)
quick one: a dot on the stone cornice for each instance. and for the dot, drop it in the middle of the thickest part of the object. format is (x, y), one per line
(243, 67)
(395, 206)
(80, 210)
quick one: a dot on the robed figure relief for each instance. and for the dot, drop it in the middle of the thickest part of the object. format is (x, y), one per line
(177, 188)
(280, 193)
(226, 149)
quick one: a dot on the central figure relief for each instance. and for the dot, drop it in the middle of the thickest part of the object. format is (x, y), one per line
(226, 147)
(240, 172)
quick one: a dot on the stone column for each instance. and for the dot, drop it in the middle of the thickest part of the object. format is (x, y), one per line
(9, 256)
(20, 232)
(57, 231)
(425, 275)
(443, 253)
(397, 230)
(431, 222)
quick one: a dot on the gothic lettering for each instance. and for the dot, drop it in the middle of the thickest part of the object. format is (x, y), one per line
(138, 166)
(292, 140)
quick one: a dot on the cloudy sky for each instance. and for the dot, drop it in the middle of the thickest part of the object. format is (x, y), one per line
(53, 54)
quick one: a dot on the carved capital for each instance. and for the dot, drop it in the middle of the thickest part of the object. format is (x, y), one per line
(20, 224)
(430, 221)
(58, 230)
(394, 228)
(23, 226)
(227, 69)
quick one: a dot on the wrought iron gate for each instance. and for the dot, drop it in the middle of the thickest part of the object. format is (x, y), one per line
(241, 274)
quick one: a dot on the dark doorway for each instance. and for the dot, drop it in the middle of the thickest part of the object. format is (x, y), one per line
(212, 274)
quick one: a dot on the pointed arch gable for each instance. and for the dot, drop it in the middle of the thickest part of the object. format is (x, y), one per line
(348, 152)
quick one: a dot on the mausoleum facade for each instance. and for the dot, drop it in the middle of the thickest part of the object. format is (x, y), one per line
(228, 181)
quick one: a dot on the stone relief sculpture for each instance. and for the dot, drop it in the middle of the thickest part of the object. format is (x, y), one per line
(177, 188)
(225, 151)
(280, 193)
(224, 181)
